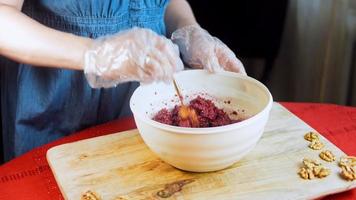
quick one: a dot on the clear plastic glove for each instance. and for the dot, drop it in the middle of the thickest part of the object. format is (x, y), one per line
(201, 50)
(136, 54)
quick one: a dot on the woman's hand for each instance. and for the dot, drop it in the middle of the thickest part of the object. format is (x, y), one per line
(136, 54)
(201, 50)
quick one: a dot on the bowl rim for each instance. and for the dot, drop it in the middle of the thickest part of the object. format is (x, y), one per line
(207, 130)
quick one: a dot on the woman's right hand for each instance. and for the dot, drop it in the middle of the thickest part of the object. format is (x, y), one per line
(136, 54)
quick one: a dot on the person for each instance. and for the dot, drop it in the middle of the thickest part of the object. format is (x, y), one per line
(73, 64)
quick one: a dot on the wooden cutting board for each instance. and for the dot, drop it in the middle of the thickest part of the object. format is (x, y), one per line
(120, 166)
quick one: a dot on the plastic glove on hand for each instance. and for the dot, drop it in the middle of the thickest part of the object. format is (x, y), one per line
(201, 50)
(136, 54)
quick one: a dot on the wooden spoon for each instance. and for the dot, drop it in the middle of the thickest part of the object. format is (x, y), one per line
(185, 112)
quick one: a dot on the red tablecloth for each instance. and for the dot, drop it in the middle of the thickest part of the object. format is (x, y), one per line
(29, 176)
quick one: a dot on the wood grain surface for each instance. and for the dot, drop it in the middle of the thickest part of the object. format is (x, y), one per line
(120, 166)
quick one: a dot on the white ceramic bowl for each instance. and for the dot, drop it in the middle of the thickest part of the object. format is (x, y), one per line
(203, 149)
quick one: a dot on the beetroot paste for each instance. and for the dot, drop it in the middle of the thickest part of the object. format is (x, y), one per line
(208, 115)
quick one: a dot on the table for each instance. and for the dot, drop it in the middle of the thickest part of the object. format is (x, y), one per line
(29, 176)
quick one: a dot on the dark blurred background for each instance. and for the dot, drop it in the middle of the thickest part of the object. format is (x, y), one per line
(251, 28)
(303, 50)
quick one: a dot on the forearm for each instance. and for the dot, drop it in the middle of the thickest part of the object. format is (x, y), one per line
(25, 40)
(178, 14)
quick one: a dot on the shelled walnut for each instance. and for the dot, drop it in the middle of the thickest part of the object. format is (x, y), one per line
(347, 161)
(327, 156)
(316, 145)
(312, 168)
(306, 173)
(321, 171)
(90, 195)
(348, 170)
(310, 136)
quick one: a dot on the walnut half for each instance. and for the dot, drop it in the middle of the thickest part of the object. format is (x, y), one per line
(347, 161)
(347, 165)
(348, 173)
(306, 173)
(310, 136)
(321, 171)
(316, 145)
(312, 168)
(89, 195)
(327, 156)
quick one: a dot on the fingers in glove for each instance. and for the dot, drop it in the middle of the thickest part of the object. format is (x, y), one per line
(166, 69)
(211, 64)
(151, 69)
(228, 61)
(171, 51)
(158, 66)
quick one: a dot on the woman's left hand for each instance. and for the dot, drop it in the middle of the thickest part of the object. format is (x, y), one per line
(201, 50)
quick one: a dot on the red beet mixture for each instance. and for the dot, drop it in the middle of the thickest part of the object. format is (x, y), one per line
(208, 115)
